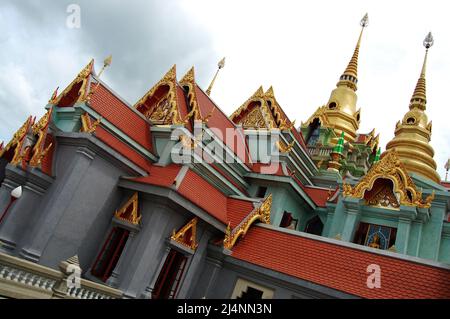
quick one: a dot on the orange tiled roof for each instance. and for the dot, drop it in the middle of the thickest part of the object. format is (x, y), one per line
(339, 267)
(160, 176)
(122, 148)
(122, 116)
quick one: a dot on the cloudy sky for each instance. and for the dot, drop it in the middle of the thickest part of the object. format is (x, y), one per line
(299, 47)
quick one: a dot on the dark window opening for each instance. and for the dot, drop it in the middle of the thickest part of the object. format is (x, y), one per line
(375, 236)
(110, 253)
(410, 120)
(169, 278)
(313, 133)
(287, 221)
(251, 293)
(332, 105)
(261, 192)
(314, 226)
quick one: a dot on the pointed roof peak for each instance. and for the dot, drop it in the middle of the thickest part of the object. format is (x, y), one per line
(270, 93)
(189, 77)
(74, 260)
(259, 92)
(350, 75)
(171, 75)
(419, 98)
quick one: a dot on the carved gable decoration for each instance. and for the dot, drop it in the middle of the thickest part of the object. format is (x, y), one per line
(77, 91)
(390, 168)
(262, 213)
(40, 149)
(187, 235)
(159, 104)
(18, 148)
(321, 115)
(130, 211)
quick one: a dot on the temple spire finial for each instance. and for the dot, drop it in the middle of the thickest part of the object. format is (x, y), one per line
(350, 76)
(419, 97)
(220, 65)
(107, 62)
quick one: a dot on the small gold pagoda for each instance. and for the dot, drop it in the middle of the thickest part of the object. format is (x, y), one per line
(413, 133)
(340, 112)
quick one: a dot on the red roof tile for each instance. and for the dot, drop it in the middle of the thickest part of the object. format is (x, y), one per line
(341, 268)
(237, 210)
(122, 148)
(47, 161)
(222, 123)
(121, 116)
(200, 192)
(160, 176)
(446, 184)
(318, 195)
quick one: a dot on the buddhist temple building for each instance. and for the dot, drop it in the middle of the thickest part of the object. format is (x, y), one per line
(169, 197)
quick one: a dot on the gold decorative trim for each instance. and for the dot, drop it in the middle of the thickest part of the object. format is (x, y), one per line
(189, 81)
(83, 77)
(390, 167)
(262, 213)
(180, 238)
(40, 129)
(87, 126)
(283, 148)
(17, 141)
(133, 217)
(169, 79)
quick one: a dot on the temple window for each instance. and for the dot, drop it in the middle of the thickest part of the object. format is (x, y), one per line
(261, 192)
(332, 105)
(169, 278)
(314, 226)
(287, 221)
(110, 253)
(313, 133)
(375, 236)
(245, 289)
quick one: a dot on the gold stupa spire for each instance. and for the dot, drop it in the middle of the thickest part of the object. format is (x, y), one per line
(350, 75)
(413, 133)
(340, 111)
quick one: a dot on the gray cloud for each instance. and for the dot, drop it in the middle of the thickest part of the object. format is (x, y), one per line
(145, 39)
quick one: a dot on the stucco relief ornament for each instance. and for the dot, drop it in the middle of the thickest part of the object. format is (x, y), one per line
(390, 168)
(262, 214)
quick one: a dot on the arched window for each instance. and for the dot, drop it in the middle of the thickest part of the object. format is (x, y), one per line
(314, 226)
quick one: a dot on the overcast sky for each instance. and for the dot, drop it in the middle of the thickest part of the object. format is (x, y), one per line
(299, 47)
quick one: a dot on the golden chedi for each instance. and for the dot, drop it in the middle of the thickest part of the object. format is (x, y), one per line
(340, 110)
(413, 133)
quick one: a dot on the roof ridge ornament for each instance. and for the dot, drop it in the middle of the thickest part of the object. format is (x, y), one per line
(220, 65)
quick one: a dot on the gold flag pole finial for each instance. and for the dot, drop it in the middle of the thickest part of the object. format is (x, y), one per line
(107, 62)
(220, 65)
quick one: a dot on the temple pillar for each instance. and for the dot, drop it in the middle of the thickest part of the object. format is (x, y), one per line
(55, 208)
(113, 280)
(17, 219)
(403, 231)
(352, 208)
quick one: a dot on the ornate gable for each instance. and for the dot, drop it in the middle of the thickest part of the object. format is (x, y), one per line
(129, 212)
(77, 91)
(40, 149)
(255, 113)
(186, 236)
(390, 168)
(160, 104)
(16, 150)
(188, 81)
